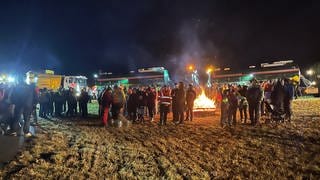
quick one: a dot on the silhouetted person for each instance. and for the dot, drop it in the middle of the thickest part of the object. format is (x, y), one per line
(83, 100)
(58, 103)
(181, 99)
(224, 108)
(118, 100)
(132, 105)
(174, 92)
(44, 101)
(72, 103)
(254, 96)
(106, 101)
(233, 106)
(289, 95)
(190, 97)
(23, 97)
(151, 102)
(277, 96)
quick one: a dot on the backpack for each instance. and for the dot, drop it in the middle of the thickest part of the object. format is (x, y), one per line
(118, 97)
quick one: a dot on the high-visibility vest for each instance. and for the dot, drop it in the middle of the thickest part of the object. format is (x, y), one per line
(165, 97)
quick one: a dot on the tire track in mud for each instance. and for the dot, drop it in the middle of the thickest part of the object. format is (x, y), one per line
(159, 150)
(201, 158)
(158, 156)
(78, 154)
(132, 143)
(137, 140)
(185, 157)
(88, 151)
(115, 154)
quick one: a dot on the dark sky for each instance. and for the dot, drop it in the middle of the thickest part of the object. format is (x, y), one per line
(81, 37)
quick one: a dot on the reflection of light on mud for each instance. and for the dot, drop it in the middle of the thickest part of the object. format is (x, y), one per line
(203, 103)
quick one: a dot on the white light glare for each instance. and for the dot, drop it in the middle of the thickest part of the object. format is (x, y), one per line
(11, 79)
(310, 72)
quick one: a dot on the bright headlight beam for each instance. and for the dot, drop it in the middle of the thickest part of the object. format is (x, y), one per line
(11, 79)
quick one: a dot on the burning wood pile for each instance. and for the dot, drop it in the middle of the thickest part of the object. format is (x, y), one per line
(203, 104)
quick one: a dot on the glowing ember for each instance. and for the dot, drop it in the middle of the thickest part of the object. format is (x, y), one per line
(202, 102)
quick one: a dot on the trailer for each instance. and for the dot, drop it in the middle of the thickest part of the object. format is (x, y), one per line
(54, 82)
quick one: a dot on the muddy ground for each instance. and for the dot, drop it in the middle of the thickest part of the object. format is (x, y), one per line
(81, 149)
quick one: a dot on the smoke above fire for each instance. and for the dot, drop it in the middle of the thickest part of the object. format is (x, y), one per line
(195, 49)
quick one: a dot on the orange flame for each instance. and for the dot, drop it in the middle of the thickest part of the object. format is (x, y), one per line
(203, 102)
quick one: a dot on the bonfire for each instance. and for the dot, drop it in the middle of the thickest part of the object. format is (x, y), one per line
(203, 103)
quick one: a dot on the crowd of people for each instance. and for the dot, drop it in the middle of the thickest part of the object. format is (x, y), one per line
(136, 103)
(16, 101)
(63, 102)
(270, 98)
(22, 99)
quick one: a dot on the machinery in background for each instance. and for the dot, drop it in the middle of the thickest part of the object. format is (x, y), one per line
(51, 81)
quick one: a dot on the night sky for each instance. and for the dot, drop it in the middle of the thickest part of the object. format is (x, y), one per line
(81, 37)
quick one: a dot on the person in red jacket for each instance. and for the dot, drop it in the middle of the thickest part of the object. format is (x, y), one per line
(106, 103)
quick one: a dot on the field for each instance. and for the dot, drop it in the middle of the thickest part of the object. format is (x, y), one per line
(81, 149)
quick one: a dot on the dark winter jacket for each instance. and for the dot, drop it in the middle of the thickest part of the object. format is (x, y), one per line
(151, 98)
(181, 98)
(254, 94)
(84, 97)
(141, 98)
(132, 102)
(289, 91)
(24, 96)
(71, 98)
(58, 98)
(243, 91)
(233, 101)
(174, 93)
(278, 94)
(190, 96)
